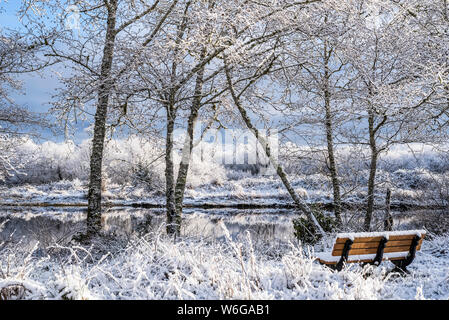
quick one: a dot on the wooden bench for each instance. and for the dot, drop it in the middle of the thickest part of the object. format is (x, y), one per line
(399, 247)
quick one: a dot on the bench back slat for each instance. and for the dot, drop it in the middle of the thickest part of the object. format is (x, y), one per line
(377, 239)
(373, 244)
(369, 245)
(374, 250)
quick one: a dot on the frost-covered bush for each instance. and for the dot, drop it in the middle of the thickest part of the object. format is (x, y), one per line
(135, 161)
(305, 230)
(205, 172)
(415, 156)
(10, 164)
(50, 161)
(417, 178)
(129, 161)
(301, 159)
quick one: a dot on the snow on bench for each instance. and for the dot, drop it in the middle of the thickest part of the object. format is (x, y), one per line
(399, 247)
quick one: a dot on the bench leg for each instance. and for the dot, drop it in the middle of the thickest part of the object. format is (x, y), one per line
(380, 252)
(401, 265)
(344, 255)
(400, 270)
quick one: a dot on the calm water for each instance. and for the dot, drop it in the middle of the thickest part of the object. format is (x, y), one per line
(50, 225)
(58, 225)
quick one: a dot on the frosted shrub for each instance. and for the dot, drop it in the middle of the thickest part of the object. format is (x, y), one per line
(135, 161)
(130, 161)
(306, 232)
(17, 267)
(205, 172)
(146, 175)
(10, 164)
(52, 161)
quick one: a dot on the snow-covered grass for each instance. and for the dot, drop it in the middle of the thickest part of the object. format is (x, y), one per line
(134, 171)
(155, 267)
(248, 190)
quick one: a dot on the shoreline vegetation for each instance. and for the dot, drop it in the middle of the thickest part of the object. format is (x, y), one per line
(145, 205)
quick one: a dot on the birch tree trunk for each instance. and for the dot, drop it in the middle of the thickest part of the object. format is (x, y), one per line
(96, 160)
(173, 221)
(372, 171)
(332, 164)
(388, 222)
(330, 138)
(188, 145)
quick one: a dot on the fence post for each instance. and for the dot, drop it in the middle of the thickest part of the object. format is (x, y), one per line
(388, 222)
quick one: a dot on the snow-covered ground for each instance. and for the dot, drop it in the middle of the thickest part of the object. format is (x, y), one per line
(154, 267)
(257, 190)
(221, 255)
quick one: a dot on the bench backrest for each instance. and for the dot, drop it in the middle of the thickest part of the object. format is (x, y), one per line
(368, 242)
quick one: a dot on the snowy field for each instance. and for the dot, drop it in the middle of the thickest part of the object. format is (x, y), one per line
(256, 130)
(247, 189)
(234, 260)
(153, 267)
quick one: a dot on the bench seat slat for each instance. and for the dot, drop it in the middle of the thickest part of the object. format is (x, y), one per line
(326, 258)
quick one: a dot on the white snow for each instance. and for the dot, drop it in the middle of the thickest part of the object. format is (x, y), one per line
(387, 234)
(154, 267)
(134, 172)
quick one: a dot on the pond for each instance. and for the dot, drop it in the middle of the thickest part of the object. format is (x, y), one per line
(58, 224)
(49, 225)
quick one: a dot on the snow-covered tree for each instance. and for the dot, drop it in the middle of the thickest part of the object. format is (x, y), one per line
(100, 41)
(20, 53)
(391, 90)
(313, 81)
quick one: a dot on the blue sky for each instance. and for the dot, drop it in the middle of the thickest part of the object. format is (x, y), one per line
(38, 89)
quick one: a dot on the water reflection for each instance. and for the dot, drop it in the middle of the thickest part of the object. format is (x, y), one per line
(49, 226)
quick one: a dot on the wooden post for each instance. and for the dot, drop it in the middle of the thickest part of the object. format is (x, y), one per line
(388, 222)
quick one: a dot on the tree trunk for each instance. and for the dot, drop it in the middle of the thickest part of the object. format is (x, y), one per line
(372, 173)
(388, 222)
(333, 166)
(329, 139)
(188, 144)
(173, 221)
(96, 160)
